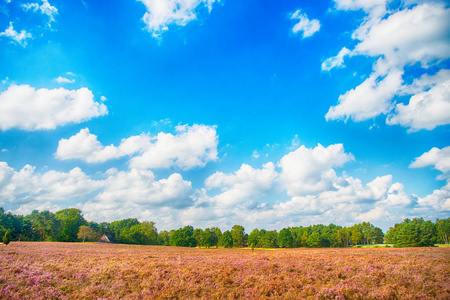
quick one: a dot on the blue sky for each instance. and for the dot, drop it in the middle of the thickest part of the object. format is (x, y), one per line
(213, 113)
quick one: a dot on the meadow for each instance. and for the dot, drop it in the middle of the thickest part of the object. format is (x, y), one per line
(45, 270)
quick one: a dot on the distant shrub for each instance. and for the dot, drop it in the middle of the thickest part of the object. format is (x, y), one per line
(7, 237)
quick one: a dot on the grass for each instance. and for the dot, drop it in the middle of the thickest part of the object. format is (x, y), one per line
(44, 270)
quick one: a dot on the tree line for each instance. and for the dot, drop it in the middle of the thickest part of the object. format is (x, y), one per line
(69, 225)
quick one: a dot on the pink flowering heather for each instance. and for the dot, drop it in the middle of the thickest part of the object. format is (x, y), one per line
(106, 271)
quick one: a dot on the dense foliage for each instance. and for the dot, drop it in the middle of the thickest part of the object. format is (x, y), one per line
(415, 233)
(69, 225)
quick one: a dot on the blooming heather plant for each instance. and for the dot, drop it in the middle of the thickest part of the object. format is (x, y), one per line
(107, 271)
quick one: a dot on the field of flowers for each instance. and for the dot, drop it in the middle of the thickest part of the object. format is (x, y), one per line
(42, 270)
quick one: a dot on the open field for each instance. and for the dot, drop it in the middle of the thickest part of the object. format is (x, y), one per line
(105, 271)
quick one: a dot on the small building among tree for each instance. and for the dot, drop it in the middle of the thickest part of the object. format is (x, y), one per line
(105, 239)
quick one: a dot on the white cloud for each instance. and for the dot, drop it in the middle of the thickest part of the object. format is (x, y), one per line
(135, 192)
(305, 25)
(411, 35)
(26, 209)
(335, 61)
(314, 193)
(309, 170)
(192, 146)
(86, 147)
(20, 38)
(61, 79)
(439, 200)
(372, 215)
(24, 107)
(366, 5)
(45, 8)
(369, 99)
(438, 158)
(246, 184)
(162, 13)
(140, 187)
(425, 110)
(26, 186)
(407, 36)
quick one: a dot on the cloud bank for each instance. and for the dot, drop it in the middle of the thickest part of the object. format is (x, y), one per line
(305, 186)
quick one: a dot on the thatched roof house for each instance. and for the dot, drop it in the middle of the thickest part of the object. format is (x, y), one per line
(104, 239)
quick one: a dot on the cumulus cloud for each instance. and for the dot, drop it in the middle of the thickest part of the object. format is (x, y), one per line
(367, 100)
(310, 170)
(306, 26)
(438, 158)
(425, 110)
(163, 13)
(27, 108)
(85, 146)
(18, 37)
(135, 189)
(349, 202)
(192, 146)
(245, 184)
(140, 187)
(27, 186)
(407, 36)
(302, 189)
(439, 200)
(138, 192)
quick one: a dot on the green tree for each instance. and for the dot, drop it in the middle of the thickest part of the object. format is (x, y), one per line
(85, 232)
(238, 234)
(412, 233)
(117, 228)
(71, 219)
(285, 238)
(7, 237)
(443, 230)
(208, 238)
(269, 239)
(356, 236)
(45, 224)
(149, 233)
(314, 239)
(144, 233)
(226, 240)
(164, 238)
(304, 238)
(254, 238)
(376, 236)
(11, 222)
(197, 234)
(183, 237)
(218, 234)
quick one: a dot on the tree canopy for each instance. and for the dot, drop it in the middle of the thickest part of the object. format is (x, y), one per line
(69, 225)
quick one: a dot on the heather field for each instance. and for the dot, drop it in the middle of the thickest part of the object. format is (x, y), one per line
(41, 270)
